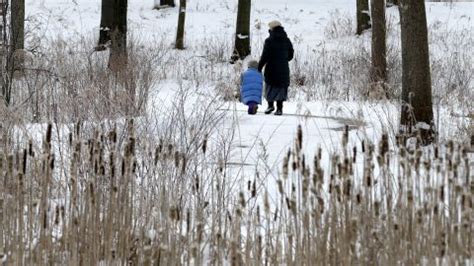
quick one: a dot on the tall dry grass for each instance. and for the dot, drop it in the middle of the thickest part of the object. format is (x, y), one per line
(116, 196)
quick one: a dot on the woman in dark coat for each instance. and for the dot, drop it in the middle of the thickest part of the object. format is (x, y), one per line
(277, 52)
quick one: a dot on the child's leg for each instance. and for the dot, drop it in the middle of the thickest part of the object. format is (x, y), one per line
(252, 108)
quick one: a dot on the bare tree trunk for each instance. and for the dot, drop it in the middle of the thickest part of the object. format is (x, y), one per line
(118, 49)
(393, 3)
(363, 18)
(242, 35)
(167, 3)
(417, 109)
(3, 50)
(17, 36)
(106, 21)
(379, 45)
(181, 19)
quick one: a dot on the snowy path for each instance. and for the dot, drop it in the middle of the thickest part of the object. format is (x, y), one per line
(269, 137)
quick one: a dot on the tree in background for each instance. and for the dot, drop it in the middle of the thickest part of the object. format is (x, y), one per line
(379, 43)
(164, 3)
(417, 109)
(393, 2)
(106, 20)
(118, 36)
(181, 19)
(363, 18)
(17, 35)
(3, 53)
(242, 35)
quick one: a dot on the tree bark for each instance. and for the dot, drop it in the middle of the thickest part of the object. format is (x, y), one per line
(106, 21)
(379, 45)
(118, 36)
(3, 53)
(181, 20)
(17, 34)
(242, 36)
(417, 109)
(393, 3)
(167, 3)
(363, 18)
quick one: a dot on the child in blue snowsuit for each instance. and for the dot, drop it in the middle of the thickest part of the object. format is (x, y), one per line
(251, 87)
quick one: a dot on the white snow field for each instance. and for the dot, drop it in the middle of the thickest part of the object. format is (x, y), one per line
(316, 27)
(194, 91)
(308, 23)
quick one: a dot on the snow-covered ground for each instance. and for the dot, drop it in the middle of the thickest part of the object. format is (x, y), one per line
(309, 23)
(189, 88)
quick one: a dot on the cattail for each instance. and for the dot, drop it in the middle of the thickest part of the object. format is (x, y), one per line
(51, 161)
(134, 166)
(380, 160)
(321, 204)
(280, 186)
(377, 208)
(254, 189)
(266, 203)
(410, 196)
(396, 226)
(24, 161)
(70, 138)
(196, 183)
(303, 163)
(123, 167)
(56, 216)
(354, 154)
(419, 216)
(204, 144)
(358, 198)
(174, 213)
(345, 136)
(403, 152)
(293, 206)
(221, 165)
(30, 148)
(49, 133)
(92, 194)
(450, 147)
(176, 159)
(347, 187)
(285, 165)
(383, 146)
(300, 138)
(242, 199)
(77, 128)
(441, 193)
(170, 149)
(368, 180)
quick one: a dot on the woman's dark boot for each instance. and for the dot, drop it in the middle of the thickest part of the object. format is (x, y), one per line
(279, 108)
(270, 108)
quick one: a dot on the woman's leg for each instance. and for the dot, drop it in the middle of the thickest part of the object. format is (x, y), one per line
(279, 108)
(270, 108)
(280, 105)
